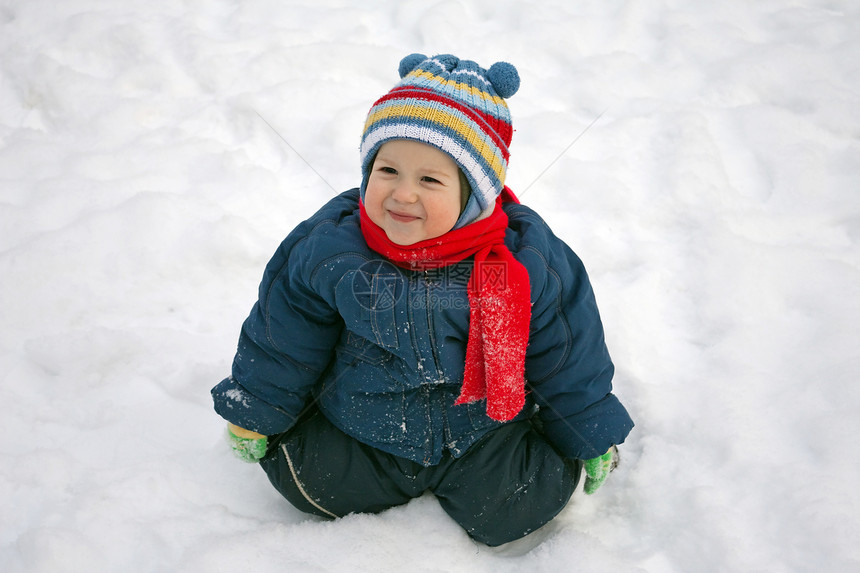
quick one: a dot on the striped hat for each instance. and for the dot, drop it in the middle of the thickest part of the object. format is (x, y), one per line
(456, 106)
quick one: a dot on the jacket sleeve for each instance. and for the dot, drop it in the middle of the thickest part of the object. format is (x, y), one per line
(284, 346)
(568, 367)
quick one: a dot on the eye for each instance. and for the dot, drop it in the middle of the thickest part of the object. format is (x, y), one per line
(428, 179)
(388, 170)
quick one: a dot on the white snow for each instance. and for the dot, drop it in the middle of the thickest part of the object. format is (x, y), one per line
(716, 204)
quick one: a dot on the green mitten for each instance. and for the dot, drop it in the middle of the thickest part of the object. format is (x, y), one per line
(247, 449)
(597, 469)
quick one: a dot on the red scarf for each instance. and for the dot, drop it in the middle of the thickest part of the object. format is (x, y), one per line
(499, 304)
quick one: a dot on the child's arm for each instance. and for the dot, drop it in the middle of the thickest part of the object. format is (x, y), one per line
(287, 341)
(568, 367)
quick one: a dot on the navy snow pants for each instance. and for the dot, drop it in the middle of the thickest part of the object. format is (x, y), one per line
(505, 486)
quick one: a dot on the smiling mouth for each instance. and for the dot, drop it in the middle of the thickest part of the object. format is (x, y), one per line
(402, 217)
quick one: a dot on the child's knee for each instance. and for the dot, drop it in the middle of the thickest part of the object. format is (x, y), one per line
(498, 521)
(511, 486)
(294, 475)
(322, 471)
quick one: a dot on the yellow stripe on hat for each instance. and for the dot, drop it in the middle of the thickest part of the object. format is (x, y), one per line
(476, 138)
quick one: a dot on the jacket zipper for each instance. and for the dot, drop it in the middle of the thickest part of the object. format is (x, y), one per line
(428, 306)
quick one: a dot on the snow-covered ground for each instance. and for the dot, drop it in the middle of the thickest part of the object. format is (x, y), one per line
(716, 203)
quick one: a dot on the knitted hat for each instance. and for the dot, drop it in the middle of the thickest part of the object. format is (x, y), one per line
(456, 106)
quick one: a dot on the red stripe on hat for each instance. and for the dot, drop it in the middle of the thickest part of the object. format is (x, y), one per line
(501, 137)
(504, 135)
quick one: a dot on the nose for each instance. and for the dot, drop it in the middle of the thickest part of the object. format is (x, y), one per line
(404, 192)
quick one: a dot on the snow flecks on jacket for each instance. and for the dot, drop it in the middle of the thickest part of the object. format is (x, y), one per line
(237, 396)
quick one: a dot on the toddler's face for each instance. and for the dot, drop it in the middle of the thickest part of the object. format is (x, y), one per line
(413, 192)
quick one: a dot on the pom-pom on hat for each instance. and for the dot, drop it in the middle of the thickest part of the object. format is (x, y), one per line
(456, 106)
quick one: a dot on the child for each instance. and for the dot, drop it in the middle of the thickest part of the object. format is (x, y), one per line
(426, 332)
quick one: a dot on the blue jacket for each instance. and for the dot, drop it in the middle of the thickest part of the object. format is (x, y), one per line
(382, 349)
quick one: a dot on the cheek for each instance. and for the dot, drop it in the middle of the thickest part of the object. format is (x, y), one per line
(444, 211)
(373, 202)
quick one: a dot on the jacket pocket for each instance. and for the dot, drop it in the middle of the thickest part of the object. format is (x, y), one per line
(354, 347)
(387, 289)
(364, 393)
(477, 412)
(368, 300)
